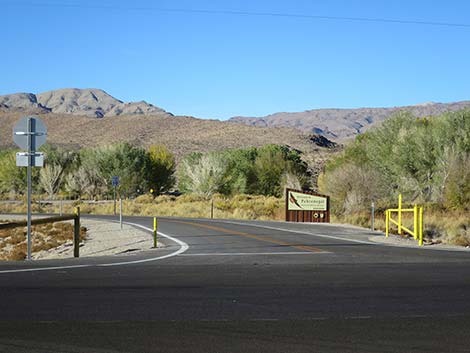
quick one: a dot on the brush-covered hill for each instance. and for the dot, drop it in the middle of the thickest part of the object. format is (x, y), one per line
(181, 134)
(342, 124)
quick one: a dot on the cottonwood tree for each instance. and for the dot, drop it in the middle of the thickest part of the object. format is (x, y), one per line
(58, 162)
(203, 174)
(161, 170)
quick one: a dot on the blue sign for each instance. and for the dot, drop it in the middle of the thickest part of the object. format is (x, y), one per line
(115, 181)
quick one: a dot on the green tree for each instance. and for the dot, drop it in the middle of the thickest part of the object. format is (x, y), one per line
(265, 170)
(270, 166)
(276, 166)
(162, 168)
(98, 166)
(12, 178)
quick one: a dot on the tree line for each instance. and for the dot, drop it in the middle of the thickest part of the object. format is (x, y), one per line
(425, 159)
(88, 172)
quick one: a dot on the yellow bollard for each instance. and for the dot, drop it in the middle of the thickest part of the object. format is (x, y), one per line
(154, 232)
(387, 222)
(421, 226)
(399, 213)
(415, 224)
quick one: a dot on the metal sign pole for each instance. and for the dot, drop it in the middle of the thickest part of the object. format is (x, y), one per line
(30, 163)
(372, 227)
(29, 133)
(120, 212)
(115, 200)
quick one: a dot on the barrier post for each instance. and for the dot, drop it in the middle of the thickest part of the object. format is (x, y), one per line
(76, 233)
(387, 222)
(421, 226)
(415, 222)
(154, 232)
(399, 213)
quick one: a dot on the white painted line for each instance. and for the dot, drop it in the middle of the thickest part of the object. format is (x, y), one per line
(304, 233)
(182, 249)
(44, 268)
(257, 253)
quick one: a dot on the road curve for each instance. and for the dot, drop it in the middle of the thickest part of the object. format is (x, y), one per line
(242, 286)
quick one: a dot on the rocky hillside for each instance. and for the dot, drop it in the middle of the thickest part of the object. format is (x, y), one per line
(94, 103)
(341, 124)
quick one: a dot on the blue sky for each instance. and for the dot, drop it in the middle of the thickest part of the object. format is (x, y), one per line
(217, 65)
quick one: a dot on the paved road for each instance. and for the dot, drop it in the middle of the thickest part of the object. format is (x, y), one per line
(242, 287)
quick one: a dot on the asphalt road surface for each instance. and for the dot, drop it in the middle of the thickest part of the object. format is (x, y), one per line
(225, 286)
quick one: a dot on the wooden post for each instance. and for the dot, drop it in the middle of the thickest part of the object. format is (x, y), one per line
(76, 233)
(212, 208)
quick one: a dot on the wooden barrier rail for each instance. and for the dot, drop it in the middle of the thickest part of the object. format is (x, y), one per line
(76, 226)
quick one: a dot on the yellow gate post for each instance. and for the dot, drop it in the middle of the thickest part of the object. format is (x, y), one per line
(387, 222)
(417, 231)
(421, 226)
(399, 213)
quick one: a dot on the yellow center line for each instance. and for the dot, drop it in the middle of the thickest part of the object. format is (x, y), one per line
(252, 236)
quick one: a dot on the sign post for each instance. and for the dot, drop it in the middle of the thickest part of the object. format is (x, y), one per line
(29, 133)
(115, 183)
(372, 216)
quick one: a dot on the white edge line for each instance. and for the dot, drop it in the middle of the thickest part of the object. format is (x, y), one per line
(258, 253)
(182, 249)
(304, 233)
(44, 268)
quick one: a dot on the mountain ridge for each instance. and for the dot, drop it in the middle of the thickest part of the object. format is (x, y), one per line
(334, 123)
(90, 102)
(342, 124)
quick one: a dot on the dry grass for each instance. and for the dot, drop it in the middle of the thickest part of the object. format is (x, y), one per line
(44, 237)
(192, 206)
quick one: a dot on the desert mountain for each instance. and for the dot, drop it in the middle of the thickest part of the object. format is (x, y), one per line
(341, 124)
(85, 102)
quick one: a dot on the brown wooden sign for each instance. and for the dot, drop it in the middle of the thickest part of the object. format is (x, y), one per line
(306, 206)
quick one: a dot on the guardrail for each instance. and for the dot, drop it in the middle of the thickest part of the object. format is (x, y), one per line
(418, 226)
(76, 226)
